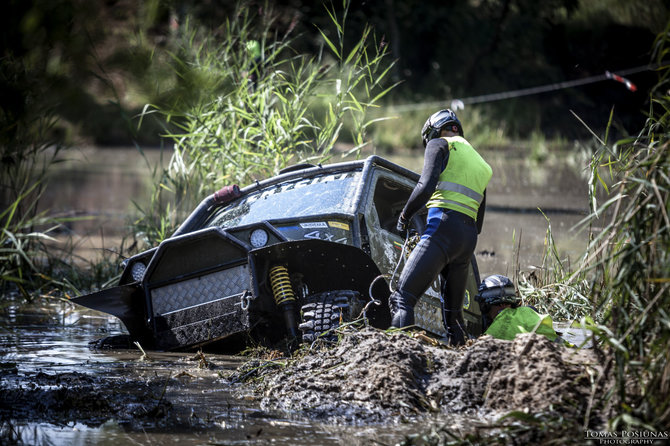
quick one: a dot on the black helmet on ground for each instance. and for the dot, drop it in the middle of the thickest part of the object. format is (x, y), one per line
(437, 121)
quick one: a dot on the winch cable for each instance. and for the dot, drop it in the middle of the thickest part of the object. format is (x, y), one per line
(459, 103)
(401, 258)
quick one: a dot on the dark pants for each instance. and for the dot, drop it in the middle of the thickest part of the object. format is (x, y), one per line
(446, 248)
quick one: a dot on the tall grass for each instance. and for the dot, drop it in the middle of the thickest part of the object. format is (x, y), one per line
(37, 257)
(269, 110)
(629, 261)
(19, 246)
(634, 268)
(29, 144)
(551, 288)
(622, 284)
(32, 261)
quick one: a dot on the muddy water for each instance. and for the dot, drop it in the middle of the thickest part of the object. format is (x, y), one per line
(56, 390)
(178, 398)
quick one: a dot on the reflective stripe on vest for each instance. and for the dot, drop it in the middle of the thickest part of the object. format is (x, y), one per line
(462, 183)
(449, 204)
(455, 187)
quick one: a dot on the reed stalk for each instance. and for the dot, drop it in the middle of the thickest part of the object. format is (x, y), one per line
(270, 107)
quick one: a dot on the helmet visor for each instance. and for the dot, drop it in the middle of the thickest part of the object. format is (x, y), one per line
(443, 118)
(440, 121)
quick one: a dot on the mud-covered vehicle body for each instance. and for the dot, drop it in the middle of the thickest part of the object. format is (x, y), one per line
(290, 256)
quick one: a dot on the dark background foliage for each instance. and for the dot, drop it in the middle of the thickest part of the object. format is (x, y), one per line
(81, 57)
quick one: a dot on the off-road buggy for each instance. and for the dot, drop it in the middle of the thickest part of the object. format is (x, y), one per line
(292, 256)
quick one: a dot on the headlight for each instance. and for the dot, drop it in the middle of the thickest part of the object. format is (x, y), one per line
(258, 238)
(137, 271)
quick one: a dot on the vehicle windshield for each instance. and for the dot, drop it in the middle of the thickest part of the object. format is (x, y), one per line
(323, 194)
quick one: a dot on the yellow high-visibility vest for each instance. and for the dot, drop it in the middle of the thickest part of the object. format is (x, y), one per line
(462, 183)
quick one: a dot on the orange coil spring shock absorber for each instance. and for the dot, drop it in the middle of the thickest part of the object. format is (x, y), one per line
(284, 296)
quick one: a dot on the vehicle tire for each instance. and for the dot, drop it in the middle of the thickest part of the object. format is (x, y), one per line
(325, 311)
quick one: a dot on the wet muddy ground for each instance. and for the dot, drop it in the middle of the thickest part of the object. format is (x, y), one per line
(369, 388)
(372, 388)
(371, 376)
(377, 378)
(55, 389)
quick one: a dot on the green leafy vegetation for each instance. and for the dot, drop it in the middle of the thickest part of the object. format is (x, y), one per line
(29, 146)
(620, 289)
(274, 107)
(631, 264)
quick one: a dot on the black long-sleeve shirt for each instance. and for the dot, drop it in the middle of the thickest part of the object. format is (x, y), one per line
(435, 161)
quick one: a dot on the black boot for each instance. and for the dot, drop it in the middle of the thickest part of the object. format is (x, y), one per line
(402, 308)
(454, 325)
(455, 335)
(452, 311)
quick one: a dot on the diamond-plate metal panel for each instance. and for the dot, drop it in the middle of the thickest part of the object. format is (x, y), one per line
(200, 290)
(428, 315)
(201, 324)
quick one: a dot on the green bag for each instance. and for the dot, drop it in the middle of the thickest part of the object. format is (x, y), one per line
(512, 321)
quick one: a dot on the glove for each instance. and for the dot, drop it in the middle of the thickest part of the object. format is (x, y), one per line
(402, 225)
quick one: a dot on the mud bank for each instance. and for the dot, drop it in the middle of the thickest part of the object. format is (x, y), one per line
(371, 377)
(164, 393)
(61, 398)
